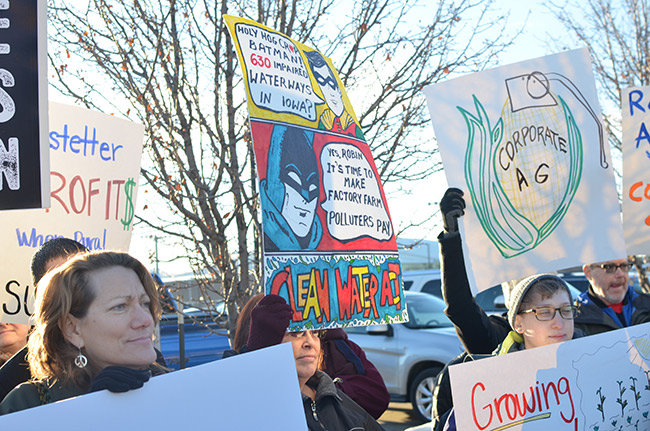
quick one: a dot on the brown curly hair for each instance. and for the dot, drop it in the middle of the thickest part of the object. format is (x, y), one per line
(67, 290)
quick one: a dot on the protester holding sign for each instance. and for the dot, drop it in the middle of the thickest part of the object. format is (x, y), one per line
(325, 405)
(95, 317)
(608, 304)
(343, 360)
(479, 333)
(541, 312)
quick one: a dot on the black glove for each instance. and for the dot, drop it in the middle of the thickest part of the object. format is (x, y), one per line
(120, 379)
(452, 206)
(269, 321)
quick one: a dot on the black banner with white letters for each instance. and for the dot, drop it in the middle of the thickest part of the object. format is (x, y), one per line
(21, 103)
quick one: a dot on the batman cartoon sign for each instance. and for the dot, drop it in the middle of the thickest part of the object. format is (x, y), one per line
(329, 247)
(290, 192)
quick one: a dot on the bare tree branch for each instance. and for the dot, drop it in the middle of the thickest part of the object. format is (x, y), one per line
(171, 65)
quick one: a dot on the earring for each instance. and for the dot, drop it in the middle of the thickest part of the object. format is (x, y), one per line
(81, 361)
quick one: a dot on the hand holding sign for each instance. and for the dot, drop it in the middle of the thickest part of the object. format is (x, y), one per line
(452, 207)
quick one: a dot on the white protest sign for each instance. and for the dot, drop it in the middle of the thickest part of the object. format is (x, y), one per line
(635, 107)
(555, 386)
(254, 391)
(525, 142)
(95, 166)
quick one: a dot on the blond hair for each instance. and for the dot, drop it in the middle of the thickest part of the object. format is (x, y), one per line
(67, 290)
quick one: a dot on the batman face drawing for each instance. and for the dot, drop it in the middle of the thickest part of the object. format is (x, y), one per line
(290, 192)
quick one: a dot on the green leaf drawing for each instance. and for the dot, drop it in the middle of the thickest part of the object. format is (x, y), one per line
(512, 232)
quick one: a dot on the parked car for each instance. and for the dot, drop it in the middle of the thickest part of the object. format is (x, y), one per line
(410, 355)
(425, 280)
(575, 279)
(205, 340)
(428, 281)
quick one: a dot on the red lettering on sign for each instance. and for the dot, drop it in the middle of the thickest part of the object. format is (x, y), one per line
(344, 292)
(283, 278)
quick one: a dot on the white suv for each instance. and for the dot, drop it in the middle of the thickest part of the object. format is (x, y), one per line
(428, 281)
(410, 355)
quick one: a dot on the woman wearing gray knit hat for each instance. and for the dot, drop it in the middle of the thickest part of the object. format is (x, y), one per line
(540, 311)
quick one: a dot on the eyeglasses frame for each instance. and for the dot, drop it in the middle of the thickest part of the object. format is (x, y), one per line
(614, 267)
(555, 310)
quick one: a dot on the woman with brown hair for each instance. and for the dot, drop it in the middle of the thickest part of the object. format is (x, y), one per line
(95, 317)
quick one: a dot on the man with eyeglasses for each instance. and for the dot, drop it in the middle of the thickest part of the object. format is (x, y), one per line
(610, 303)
